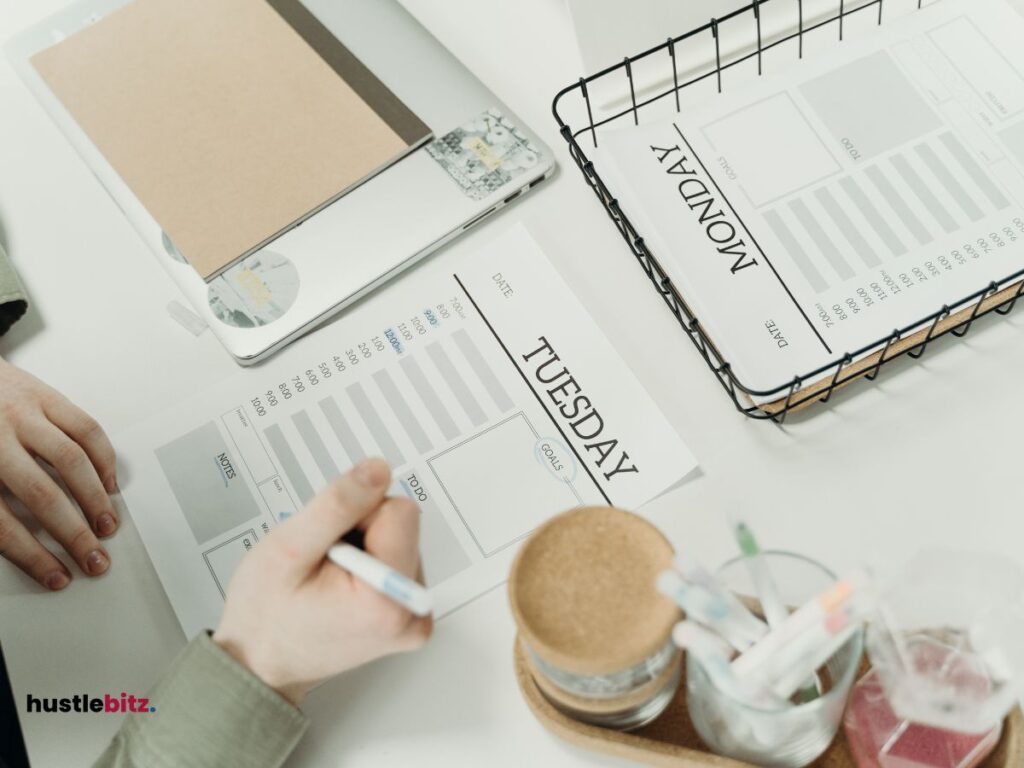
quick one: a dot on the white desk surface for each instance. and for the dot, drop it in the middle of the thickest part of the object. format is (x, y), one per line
(930, 455)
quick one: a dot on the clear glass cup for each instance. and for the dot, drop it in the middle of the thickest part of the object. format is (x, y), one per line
(786, 738)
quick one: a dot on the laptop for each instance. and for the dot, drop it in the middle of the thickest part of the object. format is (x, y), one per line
(481, 158)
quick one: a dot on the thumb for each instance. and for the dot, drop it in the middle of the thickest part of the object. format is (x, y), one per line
(303, 541)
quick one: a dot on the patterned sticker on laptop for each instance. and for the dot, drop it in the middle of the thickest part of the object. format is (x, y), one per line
(484, 154)
(256, 291)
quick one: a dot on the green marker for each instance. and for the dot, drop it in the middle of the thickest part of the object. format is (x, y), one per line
(775, 612)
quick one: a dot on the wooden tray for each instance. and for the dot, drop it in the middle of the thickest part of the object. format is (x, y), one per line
(672, 742)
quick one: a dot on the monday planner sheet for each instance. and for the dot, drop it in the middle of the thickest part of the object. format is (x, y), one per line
(808, 212)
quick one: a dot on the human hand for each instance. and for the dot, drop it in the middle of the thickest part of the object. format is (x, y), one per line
(36, 422)
(294, 618)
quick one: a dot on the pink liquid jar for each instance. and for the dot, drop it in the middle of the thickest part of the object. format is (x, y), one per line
(947, 653)
(879, 738)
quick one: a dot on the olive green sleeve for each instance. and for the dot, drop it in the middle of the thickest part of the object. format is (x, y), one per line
(208, 710)
(12, 296)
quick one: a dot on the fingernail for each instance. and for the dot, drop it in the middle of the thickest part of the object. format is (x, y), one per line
(56, 581)
(97, 562)
(372, 472)
(111, 484)
(106, 525)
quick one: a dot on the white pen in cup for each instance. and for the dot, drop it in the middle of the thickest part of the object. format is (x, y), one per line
(810, 652)
(775, 612)
(695, 572)
(703, 605)
(714, 654)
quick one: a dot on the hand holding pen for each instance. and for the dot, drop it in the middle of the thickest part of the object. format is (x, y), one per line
(294, 618)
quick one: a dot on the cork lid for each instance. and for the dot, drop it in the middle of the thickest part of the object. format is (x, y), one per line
(583, 595)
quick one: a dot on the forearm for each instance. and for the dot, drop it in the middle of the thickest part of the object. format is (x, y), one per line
(209, 711)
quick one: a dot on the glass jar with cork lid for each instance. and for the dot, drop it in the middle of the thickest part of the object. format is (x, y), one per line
(593, 630)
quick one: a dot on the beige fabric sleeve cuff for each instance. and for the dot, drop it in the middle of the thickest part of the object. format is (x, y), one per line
(13, 301)
(209, 711)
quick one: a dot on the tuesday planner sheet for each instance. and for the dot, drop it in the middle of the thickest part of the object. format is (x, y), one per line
(490, 391)
(813, 210)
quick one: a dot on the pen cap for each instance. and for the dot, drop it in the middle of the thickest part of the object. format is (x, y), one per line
(948, 640)
(594, 630)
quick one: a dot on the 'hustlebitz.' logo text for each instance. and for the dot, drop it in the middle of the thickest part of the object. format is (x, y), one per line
(82, 702)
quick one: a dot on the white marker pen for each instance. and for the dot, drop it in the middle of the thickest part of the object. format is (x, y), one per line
(383, 578)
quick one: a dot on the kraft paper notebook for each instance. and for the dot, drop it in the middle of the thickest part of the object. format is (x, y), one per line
(230, 121)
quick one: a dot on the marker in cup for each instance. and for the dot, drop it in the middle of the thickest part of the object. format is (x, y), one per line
(813, 651)
(694, 572)
(713, 654)
(768, 593)
(813, 616)
(709, 609)
(383, 578)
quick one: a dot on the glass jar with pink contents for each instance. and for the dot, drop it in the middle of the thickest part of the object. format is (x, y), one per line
(947, 651)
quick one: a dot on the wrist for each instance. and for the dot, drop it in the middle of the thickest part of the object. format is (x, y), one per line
(261, 666)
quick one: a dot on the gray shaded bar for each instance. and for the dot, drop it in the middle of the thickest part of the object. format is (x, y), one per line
(817, 233)
(402, 411)
(290, 465)
(426, 391)
(342, 430)
(925, 195)
(212, 498)
(974, 170)
(443, 556)
(948, 180)
(795, 251)
(874, 218)
(380, 433)
(847, 227)
(316, 446)
(479, 365)
(456, 384)
(899, 205)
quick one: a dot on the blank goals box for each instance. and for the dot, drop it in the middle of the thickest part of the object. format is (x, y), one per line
(783, 155)
(497, 485)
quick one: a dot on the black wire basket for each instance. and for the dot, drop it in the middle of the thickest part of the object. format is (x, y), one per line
(812, 386)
